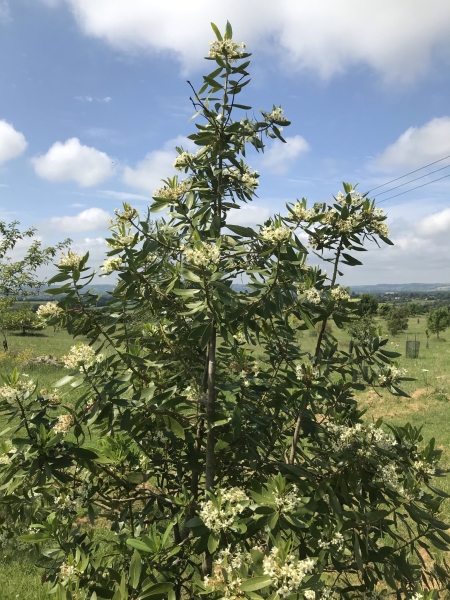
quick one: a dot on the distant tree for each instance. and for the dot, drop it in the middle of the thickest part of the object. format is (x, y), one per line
(438, 320)
(21, 277)
(384, 310)
(414, 309)
(368, 304)
(397, 320)
(24, 320)
(363, 328)
(6, 305)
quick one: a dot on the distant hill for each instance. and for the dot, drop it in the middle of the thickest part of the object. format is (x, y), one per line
(382, 288)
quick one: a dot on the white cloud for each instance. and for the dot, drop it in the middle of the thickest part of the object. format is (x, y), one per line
(279, 157)
(5, 14)
(77, 205)
(12, 142)
(122, 196)
(87, 220)
(156, 165)
(105, 100)
(71, 161)
(248, 215)
(418, 146)
(436, 223)
(396, 39)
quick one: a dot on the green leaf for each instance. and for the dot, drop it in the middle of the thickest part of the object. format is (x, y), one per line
(175, 427)
(228, 32)
(158, 206)
(206, 336)
(358, 555)
(139, 545)
(216, 31)
(213, 542)
(158, 588)
(350, 260)
(35, 537)
(190, 276)
(244, 231)
(63, 381)
(135, 569)
(255, 583)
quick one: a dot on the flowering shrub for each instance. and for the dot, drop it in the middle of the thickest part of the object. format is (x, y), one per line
(221, 476)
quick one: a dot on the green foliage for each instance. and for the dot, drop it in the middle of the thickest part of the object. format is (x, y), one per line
(24, 320)
(221, 476)
(363, 329)
(438, 320)
(384, 310)
(368, 304)
(397, 320)
(22, 277)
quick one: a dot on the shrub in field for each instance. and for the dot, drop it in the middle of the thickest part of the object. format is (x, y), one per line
(221, 475)
(397, 320)
(368, 304)
(24, 320)
(438, 320)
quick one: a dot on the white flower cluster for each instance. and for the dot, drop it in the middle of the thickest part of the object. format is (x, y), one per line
(417, 596)
(218, 519)
(127, 213)
(350, 224)
(424, 467)
(246, 176)
(227, 562)
(275, 116)
(120, 241)
(313, 296)
(307, 373)
(50, 309)
(183, 161)
(81, 356)
(173, 193)
(205, 255)
(111, 264)
(337, 540)
(302, 213)
(240, 337)
(22, 386)
(381, 228)
(339, 294)
(8, 453)
(309, 594)
(53, 396)
(289, 501)
(275, 234)
(388, 474)
(64, 501)
(226, 50)
(286, 575)
(389, 375)
(330, 216)
(370, 436)
(355, 197)
(63, 424)
(66, 570)
(192, 393)
(70, 260)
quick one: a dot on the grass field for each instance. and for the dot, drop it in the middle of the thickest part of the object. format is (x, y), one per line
(428, 406)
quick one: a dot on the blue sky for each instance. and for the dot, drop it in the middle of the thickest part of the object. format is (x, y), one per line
(94, 98)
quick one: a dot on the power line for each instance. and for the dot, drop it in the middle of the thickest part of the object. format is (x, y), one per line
(414, 188)
(411, 181)
(410, 173)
